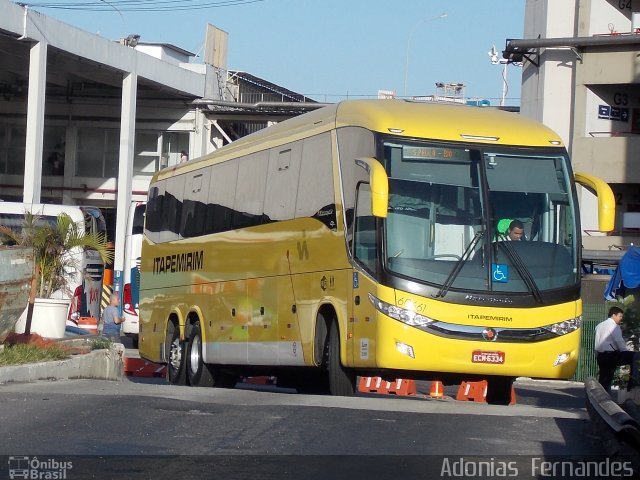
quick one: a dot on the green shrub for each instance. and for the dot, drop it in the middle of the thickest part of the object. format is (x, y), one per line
(100, 343)
(21, 354)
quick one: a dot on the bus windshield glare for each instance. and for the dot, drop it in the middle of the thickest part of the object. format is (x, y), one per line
(450, 208)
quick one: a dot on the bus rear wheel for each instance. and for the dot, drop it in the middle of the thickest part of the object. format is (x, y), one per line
(499, 390)
(342, 381)
(176, 358)
(198, 373)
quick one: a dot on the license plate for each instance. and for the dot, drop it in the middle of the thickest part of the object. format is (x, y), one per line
(478, 356)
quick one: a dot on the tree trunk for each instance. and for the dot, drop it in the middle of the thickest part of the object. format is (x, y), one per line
(32, 300)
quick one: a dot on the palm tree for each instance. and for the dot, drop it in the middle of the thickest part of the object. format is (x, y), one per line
(54, 245)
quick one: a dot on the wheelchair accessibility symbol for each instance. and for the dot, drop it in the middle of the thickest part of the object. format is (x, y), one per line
(500, 272)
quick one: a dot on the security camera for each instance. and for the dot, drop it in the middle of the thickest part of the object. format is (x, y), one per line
(493, 55)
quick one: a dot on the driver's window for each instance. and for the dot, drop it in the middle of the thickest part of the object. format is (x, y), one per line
(364, 237)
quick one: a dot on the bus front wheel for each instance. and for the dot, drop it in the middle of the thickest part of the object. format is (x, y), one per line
(176, 358)
(342, 381)
(198, 373)
(499, 390)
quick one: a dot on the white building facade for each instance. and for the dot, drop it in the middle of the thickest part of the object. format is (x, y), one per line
(87, 120)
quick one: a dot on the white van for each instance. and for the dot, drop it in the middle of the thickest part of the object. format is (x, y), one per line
(131, 273)
(85, 281)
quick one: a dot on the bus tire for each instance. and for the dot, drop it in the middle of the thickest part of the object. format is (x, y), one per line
(499, 390)
(342, 381)
(198, 373)
(176, 357)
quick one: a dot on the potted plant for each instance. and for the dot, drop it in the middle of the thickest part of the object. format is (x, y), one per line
(54, 245)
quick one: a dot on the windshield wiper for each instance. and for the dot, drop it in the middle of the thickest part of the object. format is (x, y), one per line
(459, 264)
(522, 269)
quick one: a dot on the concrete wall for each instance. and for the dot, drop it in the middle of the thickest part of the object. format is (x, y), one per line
(546, 90)
(571, 91)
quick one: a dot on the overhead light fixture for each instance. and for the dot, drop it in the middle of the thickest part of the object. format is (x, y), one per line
(480, 137)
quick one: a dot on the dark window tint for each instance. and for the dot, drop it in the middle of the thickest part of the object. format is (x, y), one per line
(138, 220)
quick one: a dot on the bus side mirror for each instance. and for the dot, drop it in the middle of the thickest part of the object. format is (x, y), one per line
(379, 185)
(606, 200)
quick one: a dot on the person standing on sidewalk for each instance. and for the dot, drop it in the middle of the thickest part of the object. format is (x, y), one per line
(612, 351)
(110, 321)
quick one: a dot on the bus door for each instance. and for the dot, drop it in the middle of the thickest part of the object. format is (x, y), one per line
(362, 325)
(131, 274)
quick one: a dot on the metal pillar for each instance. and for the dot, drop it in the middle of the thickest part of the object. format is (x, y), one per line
(125, 172)
(35, 122)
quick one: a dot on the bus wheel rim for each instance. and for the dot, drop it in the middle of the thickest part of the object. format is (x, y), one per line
(194, 355)
(175, 355)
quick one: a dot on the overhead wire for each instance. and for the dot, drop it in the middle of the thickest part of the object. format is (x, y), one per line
(139, 5)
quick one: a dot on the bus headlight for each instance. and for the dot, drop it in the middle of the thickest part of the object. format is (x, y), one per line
(403, 315)
(405, 349)
(560, 359)
(564, 327)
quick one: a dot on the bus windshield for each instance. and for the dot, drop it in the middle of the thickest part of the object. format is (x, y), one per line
(451, 209)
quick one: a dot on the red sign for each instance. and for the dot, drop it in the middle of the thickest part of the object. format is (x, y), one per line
(478, 356)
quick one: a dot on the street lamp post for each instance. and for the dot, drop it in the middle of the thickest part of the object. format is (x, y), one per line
(495, 60)
(413, 30)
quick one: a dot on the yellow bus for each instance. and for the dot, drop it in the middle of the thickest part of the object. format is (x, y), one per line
(361, 239)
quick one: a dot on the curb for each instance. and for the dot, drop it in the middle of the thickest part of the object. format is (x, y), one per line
(619, 431)
(98, 364)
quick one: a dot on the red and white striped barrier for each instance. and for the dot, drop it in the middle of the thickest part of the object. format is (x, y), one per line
(137, 367)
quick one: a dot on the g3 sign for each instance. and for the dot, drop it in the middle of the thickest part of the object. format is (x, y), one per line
(620, 98)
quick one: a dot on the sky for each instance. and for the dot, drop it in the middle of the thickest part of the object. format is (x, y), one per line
(333, 49)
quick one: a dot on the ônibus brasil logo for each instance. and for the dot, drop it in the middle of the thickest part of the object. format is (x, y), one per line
(34, 468)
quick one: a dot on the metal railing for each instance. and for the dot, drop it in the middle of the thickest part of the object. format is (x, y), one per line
(592, 314)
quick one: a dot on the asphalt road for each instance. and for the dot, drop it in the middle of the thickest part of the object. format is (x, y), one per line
(146, 429)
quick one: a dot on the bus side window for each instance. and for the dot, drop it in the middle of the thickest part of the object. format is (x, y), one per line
(194, 204)
(89, 223)
(153, 221)
(172, 208)
(248, 205)
(365, 230)
(137, 227)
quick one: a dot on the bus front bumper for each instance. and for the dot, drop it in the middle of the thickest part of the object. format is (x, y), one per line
(405, 347)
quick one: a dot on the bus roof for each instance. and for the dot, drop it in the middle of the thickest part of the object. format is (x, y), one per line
(446, 121)
(428, 120)
(42, 209)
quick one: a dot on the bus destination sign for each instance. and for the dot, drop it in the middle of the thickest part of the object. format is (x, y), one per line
(416, 153)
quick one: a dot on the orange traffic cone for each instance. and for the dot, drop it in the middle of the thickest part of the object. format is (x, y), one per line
(88, 323)
(477, 392)
(473, 391)
(436, 389)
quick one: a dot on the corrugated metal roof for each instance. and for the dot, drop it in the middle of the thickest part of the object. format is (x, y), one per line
(271, 87)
